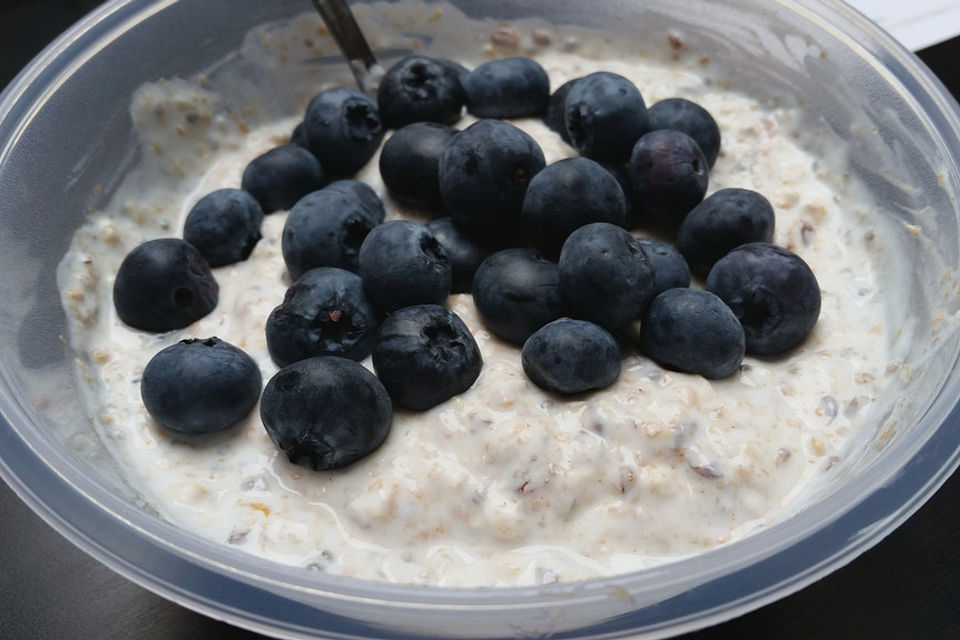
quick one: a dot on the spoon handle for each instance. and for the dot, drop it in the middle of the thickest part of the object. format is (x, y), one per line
(342, 25)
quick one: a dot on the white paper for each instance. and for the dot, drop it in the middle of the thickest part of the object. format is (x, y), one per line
(915, 23)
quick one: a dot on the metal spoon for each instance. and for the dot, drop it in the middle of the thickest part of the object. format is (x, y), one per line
(342, 25)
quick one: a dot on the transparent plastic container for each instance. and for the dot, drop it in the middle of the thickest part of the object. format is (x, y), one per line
(65, 128)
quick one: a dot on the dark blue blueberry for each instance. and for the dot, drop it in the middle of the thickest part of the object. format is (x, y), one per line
(670, 270)
(571, 356)
(419, 89)
(555, 115)
(410, 161)
(517, 292)
(605, 115)
(692, 330)
(464, 252)
(325, 312)
(425, 355)
(507, 88)
(326, 413)
(723, 221)
(692, 119)
(669, 175)
(343, 130)
(200, 386)
(605, 275)
(224, 226)
(484, 173)
(772, 291)
(164, 284)
(298, 137)
(402, 264)
(281, 176)
(326, 228)
(565, 196)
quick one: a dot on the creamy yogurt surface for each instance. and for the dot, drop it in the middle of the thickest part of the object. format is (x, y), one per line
(505, 484)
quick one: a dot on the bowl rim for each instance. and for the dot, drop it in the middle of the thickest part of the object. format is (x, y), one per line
(840, 527)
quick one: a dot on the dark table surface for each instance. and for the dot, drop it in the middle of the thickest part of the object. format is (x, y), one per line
(906, 587)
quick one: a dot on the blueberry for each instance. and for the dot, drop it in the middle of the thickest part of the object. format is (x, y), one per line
(298, 137)
(669, 175)
(516, 292)
(281, 176)
(554, 116)
(200, 386)
(692, 119)
(723, 221)
(463, 250)
(693, 330)
(402, 264)
(326, 228)
(425, 355)
(772, 291)
(571, 356)
(507, 88)
(343, 130)
(565, 196)
(484, 173)
(410, 161)
(418, 89)
(224, 226)
(325, 312)
(605, 115)
(605, 275)
(164, 284)
(670, 270)
(326, 412)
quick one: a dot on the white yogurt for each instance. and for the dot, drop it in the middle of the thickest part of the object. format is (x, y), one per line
(504, 484)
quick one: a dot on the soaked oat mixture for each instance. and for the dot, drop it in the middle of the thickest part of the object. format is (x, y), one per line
(505, 484)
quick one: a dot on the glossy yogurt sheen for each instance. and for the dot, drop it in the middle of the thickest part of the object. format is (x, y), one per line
(504, 484)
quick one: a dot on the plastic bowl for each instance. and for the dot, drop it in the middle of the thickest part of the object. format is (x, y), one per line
(64, 128)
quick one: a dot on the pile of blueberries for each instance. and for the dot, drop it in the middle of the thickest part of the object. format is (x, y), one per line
(545, 251)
